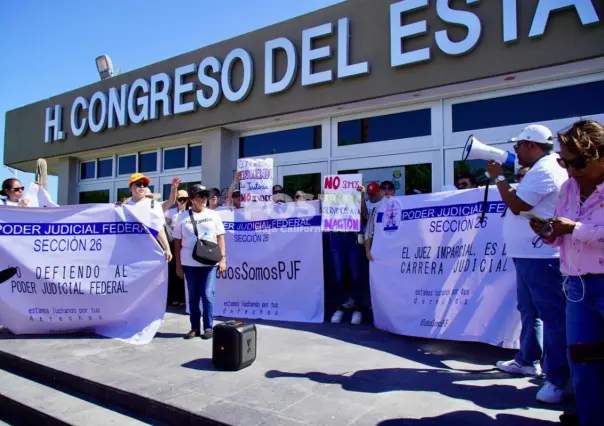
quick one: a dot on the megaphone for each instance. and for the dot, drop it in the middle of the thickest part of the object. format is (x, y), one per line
(476, 150)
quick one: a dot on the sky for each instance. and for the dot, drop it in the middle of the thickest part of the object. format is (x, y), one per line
(49, 47)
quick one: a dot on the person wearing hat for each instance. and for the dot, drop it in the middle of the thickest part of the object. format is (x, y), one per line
(149, 209)
(539, 282)
(200, 278)
(233, 197)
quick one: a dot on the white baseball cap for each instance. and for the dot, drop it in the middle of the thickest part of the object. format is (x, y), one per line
(535, 133)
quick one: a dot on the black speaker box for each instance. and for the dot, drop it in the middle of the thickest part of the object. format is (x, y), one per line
(234, 345)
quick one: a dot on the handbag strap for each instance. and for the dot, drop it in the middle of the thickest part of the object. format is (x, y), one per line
(193, 224)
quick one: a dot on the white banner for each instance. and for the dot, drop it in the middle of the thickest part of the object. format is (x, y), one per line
(256, 180)
(439, 272)
(274, 264)
(341, 203)
(89, 267)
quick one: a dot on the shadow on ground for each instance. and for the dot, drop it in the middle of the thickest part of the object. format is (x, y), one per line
(468, 418)
(446, 382)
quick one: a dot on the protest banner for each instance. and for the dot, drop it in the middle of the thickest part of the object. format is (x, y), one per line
(256, 180)
(274, 264)
(93, 267)
(440, 272)
(341, 203)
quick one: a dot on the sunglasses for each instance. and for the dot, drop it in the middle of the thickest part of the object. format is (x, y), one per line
(18, 189)
(278, 191)
(387, 188)
(577, 164)
(182, 199)
(463, 184)
(299, 197)
(141, 184)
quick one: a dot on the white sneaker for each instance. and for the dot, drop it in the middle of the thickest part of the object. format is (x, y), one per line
(337, 317)
(349, 303)
(357, 317)
(550, 394)
(513, 367)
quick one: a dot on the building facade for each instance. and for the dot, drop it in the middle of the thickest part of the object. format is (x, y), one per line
(391, 89)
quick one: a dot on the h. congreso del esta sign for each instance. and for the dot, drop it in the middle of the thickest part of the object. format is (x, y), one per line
(162, 95)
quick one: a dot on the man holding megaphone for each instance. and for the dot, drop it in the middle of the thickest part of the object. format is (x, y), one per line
(539, 282)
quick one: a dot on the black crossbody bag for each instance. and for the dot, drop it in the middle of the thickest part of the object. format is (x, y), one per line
(205, 252)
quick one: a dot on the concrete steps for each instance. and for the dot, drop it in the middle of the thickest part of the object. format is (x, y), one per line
(24, 382)
(26, 402)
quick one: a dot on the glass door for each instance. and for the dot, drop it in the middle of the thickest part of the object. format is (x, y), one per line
(186, 181)
(455, 167)
(413, 173)
(96, 193)
(305, 177)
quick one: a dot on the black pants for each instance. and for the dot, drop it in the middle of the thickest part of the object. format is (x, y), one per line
(176, 285)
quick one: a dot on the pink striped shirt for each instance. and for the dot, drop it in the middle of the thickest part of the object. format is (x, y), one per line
(581, 252)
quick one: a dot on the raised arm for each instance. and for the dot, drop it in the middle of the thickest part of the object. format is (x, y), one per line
(173, 191)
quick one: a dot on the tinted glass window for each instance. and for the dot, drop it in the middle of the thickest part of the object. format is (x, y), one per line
(280, 142)
(195, 156)
(90, 197)
(126, 165)
(407, 180)
(553, 104)
(310, 184)
(147, 162)
(403, 125)
(106, 168)
(88, 170)
(167, 186)
(478, 168)
(174, 158)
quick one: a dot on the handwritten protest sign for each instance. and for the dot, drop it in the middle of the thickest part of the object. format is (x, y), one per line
(341, 203)
(256, 180)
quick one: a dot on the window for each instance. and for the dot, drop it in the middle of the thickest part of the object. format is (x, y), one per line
(553, 104)
(174, 158)
(184, 185)
(91, 197)
(105, 168)
(195, 156)
(478, 168)
(403, 125)
(126, 165)
(294, 140)
(147, 162)
(407, 180)
(87, 170)
(310, 183)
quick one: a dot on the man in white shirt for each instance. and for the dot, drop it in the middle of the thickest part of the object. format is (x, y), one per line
(541, 301)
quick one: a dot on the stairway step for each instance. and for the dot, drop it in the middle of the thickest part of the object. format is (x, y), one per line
(23, 401)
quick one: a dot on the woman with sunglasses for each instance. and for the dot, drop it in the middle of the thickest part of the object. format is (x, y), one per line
(200, 222)
(149, 209)
(13, 189)
(578, 229)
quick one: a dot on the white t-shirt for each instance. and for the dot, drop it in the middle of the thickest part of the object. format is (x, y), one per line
(539, 188)
(152, 217)
(209, 227)
(171, 214)
(7, 202)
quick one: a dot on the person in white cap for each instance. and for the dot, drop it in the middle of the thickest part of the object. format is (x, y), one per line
(541, 301)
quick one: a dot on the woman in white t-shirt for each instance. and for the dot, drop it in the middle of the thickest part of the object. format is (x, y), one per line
(150, 211)
(200, 278)
(182, 197)
(13, 189)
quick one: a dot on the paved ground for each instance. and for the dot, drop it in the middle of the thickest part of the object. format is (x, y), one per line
(313, 374)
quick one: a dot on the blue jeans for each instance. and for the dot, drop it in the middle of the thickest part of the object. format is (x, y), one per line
(541, 304)
(345, 254)
(585, 323)
(201, 283)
